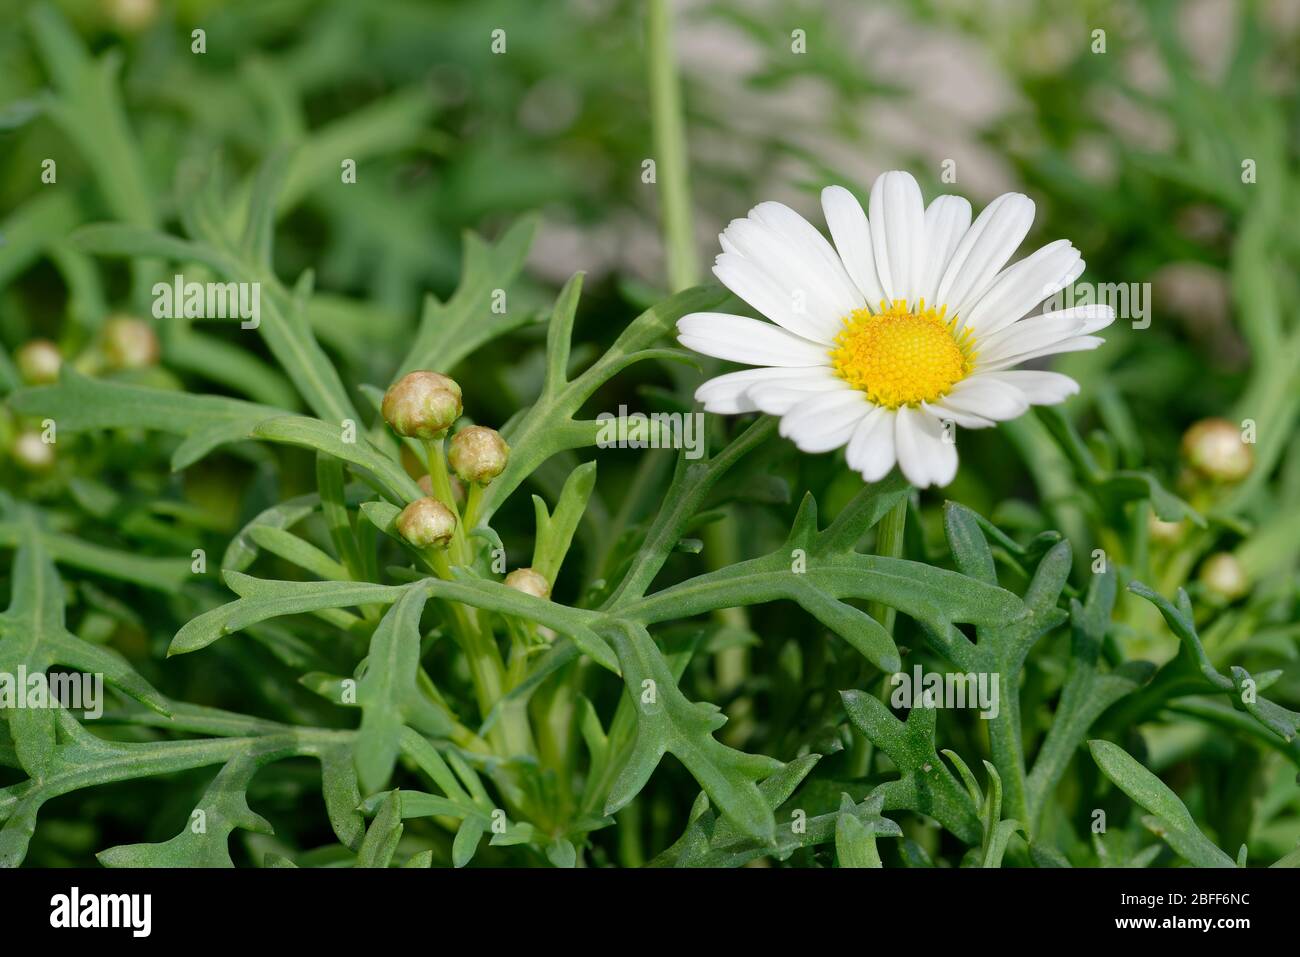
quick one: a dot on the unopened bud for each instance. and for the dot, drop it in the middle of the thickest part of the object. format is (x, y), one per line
(131, 16)
(427, 523)
(529, 582)
(1162, 531)
(478, 454)
(38, 361)
(130, 343)
(32, 453)
(422, 405)
(1214, 448)
(1222, 574)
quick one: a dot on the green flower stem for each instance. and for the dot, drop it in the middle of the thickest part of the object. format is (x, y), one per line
(669, 128)
(688, 493)
(511, 734)
(473, 498)
(485, 664)
(731, 663)
(442, 491)
(889, 544)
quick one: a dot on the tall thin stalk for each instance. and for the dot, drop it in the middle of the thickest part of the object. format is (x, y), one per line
(672, 173)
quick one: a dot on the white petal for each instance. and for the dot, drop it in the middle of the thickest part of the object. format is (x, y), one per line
(754, 343)
(801, 310)
(779, 396)
(812, 295)
(925, 455)
(1075, 344)
(987, 398)
(1040, 388)
(852, 235)
(1019, 288)
(946, 221)
(965, 419)
(825, 422)
(897, 225)
(812, 249)
(871, 448)
(725, 394)
(983, 250)
(799, 232)
(1095, 317)
(1035, 332)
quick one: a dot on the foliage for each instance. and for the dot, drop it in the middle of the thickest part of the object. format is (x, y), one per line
(294, 685)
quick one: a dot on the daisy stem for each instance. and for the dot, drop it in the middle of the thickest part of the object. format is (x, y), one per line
(889, 544)
(671, 172)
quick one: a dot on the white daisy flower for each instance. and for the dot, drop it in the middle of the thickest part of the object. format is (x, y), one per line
(907, 327)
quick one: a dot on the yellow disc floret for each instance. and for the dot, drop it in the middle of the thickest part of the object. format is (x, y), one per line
(899, 356)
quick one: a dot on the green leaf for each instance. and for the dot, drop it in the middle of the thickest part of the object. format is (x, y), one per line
(855, 843)
(1119, 486)
(88, 109)
(323, 437)
(1089, 690)
(297, 551)
(81, 404)
(1192, 671)
(555, 532)
(452, 330)
(204, 842)
(162, 574)
(925, 785)
(548, 426)
(668, 723)
(262, 600)
(997, 843)
(1171, 819)
(34, 638)
(710, 841)
(562, 853)
(81, 760)
(388, 691)
(383, 834)
(1288, 860)
(330, 480)
(465, 845)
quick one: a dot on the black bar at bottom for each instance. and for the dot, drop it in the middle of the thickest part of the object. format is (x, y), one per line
(732, 907)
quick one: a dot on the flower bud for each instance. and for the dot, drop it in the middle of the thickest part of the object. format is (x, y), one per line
(32, 453)
(1213, 447)
(427, 523)
(529, 582)
(131, 16)
(422, 405)
(1222, 574)
(1162, 531)
(478, 454)
(130, 343)
(38, 361)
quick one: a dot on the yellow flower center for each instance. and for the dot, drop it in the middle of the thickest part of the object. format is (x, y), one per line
(898, 356)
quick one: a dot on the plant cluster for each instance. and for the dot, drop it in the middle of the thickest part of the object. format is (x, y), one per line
(375, 592)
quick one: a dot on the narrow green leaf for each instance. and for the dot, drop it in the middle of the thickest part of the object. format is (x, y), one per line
(1173, 822)
(855, 844)
(385, 831)
(667, 722)
(389, 682)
